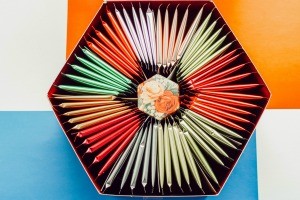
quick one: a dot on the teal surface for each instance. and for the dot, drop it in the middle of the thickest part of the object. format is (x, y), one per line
(37, 162)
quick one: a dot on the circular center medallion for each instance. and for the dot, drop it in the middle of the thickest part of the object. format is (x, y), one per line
(158, 97)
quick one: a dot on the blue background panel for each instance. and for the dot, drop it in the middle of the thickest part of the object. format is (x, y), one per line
(37, 162)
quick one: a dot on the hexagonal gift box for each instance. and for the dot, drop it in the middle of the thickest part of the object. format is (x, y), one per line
(158, 99)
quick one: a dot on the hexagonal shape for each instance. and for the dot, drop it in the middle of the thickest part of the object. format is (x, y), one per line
(158, 97)
(221, 96)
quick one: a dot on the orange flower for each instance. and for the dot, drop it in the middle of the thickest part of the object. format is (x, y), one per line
(167, 103)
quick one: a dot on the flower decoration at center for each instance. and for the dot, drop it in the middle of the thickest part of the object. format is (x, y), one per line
(158, 97)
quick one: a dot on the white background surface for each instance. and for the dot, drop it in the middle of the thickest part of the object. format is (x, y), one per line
(278, 151)
(32, 52)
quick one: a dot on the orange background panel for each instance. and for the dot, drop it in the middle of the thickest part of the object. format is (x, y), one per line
(268, 30)
(80, 14)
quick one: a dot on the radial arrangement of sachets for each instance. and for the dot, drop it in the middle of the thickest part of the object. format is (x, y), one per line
(158, 99)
